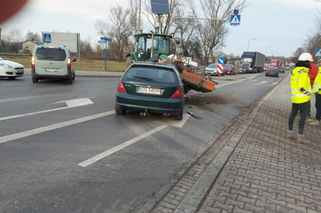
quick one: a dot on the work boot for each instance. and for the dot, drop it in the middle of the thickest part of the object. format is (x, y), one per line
(315, 122)
(302, 139)
(310, 120)
(292, 136)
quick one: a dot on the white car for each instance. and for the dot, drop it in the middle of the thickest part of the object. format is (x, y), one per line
(10, 69)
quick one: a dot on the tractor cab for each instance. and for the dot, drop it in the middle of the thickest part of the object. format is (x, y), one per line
(149, 45)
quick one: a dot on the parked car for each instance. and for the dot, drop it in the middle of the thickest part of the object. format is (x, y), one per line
(10, 69)
(151, 88)
(282, 69)
(228, 69)
(52, 62)
(272, 71)
(212, 69)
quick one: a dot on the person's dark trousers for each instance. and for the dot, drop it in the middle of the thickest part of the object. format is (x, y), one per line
(318, 106)
(303, 108)
(309, 110)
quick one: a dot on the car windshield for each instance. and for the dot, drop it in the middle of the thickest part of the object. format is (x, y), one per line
(52, 54)
(272, 68)
(228, 66)
(152, 74)
(212, 66)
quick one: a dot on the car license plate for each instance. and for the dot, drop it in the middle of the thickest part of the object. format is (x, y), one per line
(52, 70)
(148, 90)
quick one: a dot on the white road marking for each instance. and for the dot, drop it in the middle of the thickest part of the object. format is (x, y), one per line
(262, 82)
(28, 133)
(178, 124)
(234, 82)
(120, 147)
(76, 102)
(274, 83)
(22, 98)
(70, 104)
(252, 77)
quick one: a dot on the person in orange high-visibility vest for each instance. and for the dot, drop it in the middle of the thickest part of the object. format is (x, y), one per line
(300, 95)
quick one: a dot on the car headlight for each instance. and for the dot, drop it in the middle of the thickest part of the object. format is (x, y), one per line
(6, 65)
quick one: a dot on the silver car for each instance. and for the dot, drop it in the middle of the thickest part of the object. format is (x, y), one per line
(10, 69)
(52, 62)
(211, 69)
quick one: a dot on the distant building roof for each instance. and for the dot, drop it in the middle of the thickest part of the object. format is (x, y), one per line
(30, 41)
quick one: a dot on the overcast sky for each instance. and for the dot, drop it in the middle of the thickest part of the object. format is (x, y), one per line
(282, 24)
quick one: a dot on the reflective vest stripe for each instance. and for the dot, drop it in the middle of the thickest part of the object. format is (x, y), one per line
(300, 95)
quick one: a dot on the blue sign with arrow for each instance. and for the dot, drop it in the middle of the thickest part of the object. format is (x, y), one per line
(106, 39)
(221, 60)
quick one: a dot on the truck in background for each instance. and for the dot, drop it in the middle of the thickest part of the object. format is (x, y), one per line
(276, 63)
(287, 65)
(252, 62)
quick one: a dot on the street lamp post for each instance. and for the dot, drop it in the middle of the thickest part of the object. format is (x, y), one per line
(266, 49)
(248, 43)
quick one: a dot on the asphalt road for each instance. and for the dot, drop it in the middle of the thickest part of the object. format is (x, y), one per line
(78, 156)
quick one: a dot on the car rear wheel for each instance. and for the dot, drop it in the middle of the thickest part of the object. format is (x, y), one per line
(12, 78)
(179, 116)
(119, 110)
(70, 81)
(34, 80)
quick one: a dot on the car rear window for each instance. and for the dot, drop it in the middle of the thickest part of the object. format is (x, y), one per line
(212, 66)
(153, 74)
(52, 54)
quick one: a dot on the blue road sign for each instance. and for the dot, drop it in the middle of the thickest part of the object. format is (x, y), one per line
(106, 39)
(102, 41)
(318, 53)
(47, 38)
(235, 19)
(160, 6)
(221, 60)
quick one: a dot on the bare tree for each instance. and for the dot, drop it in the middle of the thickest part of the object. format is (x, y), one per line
(119, 30)
(33, 37)
(15, 37)
(185, 29)
(214, 30)
(168, 20)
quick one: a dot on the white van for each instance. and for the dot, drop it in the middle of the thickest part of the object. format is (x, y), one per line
(52, 62)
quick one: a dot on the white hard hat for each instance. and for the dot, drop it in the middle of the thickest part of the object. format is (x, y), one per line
(305, 57)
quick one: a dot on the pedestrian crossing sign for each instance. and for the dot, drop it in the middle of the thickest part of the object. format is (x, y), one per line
(318, 53)
(47, 38)
(235, 19)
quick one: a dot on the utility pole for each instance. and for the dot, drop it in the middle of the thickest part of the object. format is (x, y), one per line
(140, 11)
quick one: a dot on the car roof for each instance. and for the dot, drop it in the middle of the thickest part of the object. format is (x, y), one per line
(149, 63)
(51, 46)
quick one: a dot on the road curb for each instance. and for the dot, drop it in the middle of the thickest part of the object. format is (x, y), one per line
(200, 177)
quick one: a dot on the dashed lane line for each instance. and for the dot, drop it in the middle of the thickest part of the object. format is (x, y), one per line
(120, 147)
(22, 98)
(28, 133)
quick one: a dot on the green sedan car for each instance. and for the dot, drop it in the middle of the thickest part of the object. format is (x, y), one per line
(151, 88)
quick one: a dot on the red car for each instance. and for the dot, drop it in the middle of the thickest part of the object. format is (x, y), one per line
(228, 69)
(266, 66)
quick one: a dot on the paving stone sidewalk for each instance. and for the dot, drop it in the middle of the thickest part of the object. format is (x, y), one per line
(265, 172)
